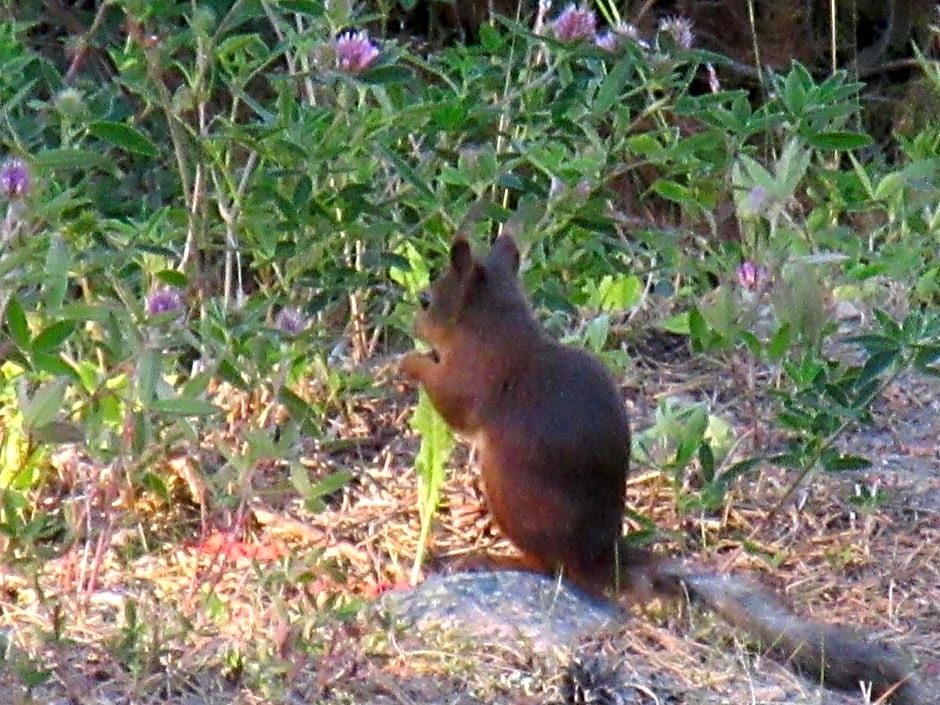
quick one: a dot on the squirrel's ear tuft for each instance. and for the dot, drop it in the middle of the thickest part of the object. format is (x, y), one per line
(504, 254)
(461, 258)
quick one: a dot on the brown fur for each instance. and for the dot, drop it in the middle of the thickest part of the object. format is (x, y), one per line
(554, 444)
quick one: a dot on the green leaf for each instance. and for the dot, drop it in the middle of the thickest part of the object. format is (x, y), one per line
(45, 404)
(51, 337)
(155, 484)
(751, 342)
(706, 459)
(596, 333)
(184, 407)
(678, 324)
(300, 479)
(612, 86)
(173, 278)
(779, 343)
(791, 168)
(739, 469)
(874, 342)
(386, 75)
(436, 444)
(242, 54)
(313, 494)
(300, 411)
(148, 372)
(674, 191)
(841, 463)
(16, 323)
(58, 432)
(53, 364)
(876, 364)
(888, 324)
(56, 273)
(86, 312)
(926, 360)
(260, 445)
(643, 145)
(229, 373)
(757, 174)
(840, 141)
(437, 441)
(794, 89)
(32, 676)
(697, 144)
(303, 7)
(197, 384)
(698, 328)
(889, 185)
(302, 192)
(72, 158)
(331, 483)
(415, 275)
(124, 136)
(618, 293)
(14, 259)
(794, 460)
(795, 420)
(405, 170)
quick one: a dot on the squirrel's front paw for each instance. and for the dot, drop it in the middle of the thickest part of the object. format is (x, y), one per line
(414, 365)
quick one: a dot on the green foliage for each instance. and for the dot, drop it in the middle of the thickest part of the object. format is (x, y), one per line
(680, 436)
(437, 441)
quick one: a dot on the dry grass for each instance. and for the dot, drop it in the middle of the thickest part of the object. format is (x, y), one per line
(254, 603)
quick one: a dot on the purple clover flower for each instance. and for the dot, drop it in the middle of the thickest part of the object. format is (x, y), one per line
(355, 52)
(631, 32)
(574, 23)
(608, 41)
(614, 39)
(14, 179)
(162, 300)
(290, 321)
(680, 28)
(751, 276)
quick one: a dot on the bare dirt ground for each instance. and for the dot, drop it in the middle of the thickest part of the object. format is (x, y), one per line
(264, 601)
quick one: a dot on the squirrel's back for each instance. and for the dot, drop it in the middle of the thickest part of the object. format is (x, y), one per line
(554, 452)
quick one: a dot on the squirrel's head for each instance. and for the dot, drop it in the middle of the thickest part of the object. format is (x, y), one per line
(469, 291)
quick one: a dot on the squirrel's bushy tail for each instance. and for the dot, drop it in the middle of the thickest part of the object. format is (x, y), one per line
(836, 656)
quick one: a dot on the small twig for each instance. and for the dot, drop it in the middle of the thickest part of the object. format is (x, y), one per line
(85, 42)
(230, 211)
(897, 65)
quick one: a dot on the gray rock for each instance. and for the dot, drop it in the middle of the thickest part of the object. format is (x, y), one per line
(498, 606)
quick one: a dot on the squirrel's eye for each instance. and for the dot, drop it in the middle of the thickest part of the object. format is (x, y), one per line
(425, 300)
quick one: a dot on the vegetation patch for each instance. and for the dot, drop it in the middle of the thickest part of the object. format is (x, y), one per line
(216, 220)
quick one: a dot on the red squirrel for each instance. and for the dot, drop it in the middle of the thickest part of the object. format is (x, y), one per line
(553, 440)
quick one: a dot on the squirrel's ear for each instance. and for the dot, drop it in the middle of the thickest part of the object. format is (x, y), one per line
(461, 258)
(504, 254)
